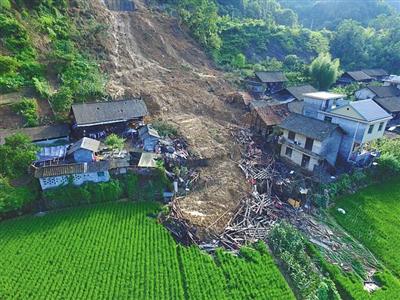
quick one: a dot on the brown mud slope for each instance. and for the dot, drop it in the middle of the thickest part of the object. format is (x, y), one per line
(150, 55)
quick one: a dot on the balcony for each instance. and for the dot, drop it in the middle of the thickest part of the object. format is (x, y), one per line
(298, 146)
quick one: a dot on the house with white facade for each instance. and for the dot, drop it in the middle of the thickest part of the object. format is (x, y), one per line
(53, 176)
(309, 142)
(362, 121)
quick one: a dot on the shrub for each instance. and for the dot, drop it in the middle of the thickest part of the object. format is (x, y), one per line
(16, 155)
(62, 100)
(115, 142)
(8, 64)
(165, 129)
(42, 87)
(14, 198)
(11, 82)
(28, 108)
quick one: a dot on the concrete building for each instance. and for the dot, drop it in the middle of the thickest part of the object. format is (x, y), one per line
(363, 121)
(309, 142)
(314, 102)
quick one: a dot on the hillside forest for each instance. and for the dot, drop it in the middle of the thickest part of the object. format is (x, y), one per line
(287, 35)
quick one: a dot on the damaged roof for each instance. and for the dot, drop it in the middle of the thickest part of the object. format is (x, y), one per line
(38, 133)
(271, 115)
(271, 77)
(85, 143)
(71, 169)
(87, 114)
(390, 104)
(384, 91)
(309, 127)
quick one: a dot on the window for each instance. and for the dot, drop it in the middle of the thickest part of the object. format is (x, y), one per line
(380, 126)
(288, 152)
(328, 119)
(309, 144)
(305, 161)
(370, 129)
(291, 135)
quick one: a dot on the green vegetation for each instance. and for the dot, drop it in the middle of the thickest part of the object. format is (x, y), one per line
(114, 142)
(165, 128)
(290, 247)
(23, 64)
(14, 198)
(116, 250)
(16, 155)
(247, 36)
(324, 71)
(28, 108)
(372, 217)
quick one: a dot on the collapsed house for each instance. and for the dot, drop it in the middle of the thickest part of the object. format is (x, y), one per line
(263, 117)
(98, 119)
(265, 83)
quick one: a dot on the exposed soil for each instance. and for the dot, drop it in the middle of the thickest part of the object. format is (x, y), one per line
(149, 55)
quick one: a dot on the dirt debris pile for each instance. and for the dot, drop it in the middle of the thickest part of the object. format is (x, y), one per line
(150, 55)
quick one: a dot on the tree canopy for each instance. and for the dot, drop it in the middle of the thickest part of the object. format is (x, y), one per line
(324, 71)
(16, 155)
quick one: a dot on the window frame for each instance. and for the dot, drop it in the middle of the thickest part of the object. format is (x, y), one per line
(291, 133)
(381, 126)
(371, 128)
(290, 150)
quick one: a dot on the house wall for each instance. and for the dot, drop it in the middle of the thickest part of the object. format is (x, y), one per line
(364, 94)
(330, 147)
(375, 134)
(312, 106)
(83, 155)
(77, 179)
(301, 139)
(297, 157)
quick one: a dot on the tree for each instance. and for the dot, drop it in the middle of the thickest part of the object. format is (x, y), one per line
(239, 61)
(16, 155)
(350, 44)
(324, 71)
(115, 142)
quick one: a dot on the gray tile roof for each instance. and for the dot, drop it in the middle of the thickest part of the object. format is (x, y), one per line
(390, 104)
(375, 72)
(369, 110)
(85, 143)
(70, 169)
(298, 91)
(108, 112)
(384, 91)
(358, 75)
(271, 77)
(38, 133)
(309, 127)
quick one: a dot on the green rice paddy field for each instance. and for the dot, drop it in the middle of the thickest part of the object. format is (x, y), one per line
(118, 251)
(373, 217)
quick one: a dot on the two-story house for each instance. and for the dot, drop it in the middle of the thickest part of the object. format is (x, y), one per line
(363, 121)
(309, 142)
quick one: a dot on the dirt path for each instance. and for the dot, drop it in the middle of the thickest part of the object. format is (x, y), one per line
(149, 55)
